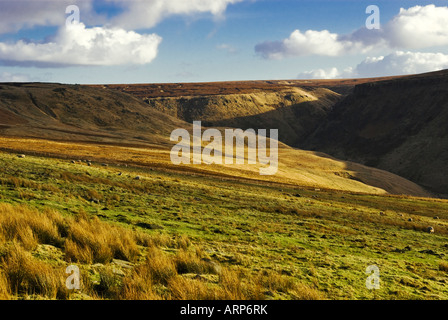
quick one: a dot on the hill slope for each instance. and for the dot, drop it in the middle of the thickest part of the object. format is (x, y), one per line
(126, 130)
(78, 113)
(398, 125)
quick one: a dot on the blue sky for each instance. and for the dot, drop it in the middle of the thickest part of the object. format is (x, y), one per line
(138, 41)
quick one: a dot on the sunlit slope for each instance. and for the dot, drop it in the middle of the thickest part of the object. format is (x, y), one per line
(114, 127)
(295, 167)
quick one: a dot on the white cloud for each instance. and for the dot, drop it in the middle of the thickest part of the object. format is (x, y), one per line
(78, 45)
(400, 63)
(140, 14)
(331, 73)
(414, 28)
(397, 63)
(112, 42)
(135, 14)
(24, 14)
(310, 42)
(419, 27)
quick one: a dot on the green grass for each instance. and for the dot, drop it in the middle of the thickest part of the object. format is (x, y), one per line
(322, 239)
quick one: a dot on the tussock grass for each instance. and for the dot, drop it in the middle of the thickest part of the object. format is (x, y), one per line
(26, 275)
(30, 227)
(4, 287)
(85, 240)
(181, 288)
(91, 240)
(189, 262)
(443, 266)
(218, 239)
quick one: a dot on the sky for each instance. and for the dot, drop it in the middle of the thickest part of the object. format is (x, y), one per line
(166, 41)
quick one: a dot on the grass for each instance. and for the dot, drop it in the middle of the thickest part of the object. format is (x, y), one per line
(181, 236)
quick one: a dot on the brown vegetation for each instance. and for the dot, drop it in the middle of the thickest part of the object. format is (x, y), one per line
(89, 242)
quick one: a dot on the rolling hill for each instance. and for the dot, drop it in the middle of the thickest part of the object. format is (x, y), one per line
(115, 127)
(397, 124)
(95, 188)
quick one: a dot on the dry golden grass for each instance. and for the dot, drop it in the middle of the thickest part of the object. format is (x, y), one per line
(189, 262)
(82, 239)
(91, 240)
(138, 286)
(4, 288)
(25, 274)
(305, 292)
(191, 289)
(443, 266)
(295, 167)
(234, 288)
(155, 274)
(29, 227)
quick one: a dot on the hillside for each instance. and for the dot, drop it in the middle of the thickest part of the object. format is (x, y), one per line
(79, 113)
(95, 188)
(398, 125)
(114, 127)
(181, 236)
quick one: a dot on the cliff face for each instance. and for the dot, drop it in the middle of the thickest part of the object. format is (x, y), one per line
(400, 126)
(295, 112)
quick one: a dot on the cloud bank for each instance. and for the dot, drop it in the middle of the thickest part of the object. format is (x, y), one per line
(114, 42)
(397, 63)
(141, 14)
(78, 45)
(414, 28)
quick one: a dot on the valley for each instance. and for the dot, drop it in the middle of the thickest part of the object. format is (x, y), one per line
(86, 178)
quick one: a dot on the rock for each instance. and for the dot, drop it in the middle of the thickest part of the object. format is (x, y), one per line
(430, 229)
(410, 219)
(137, 178)
(21, 156)
(436, 218)
(95, 200)
(123, 264)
